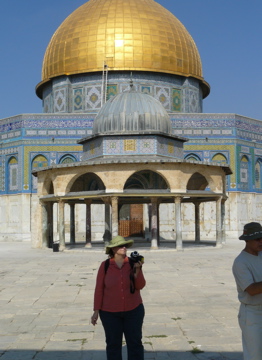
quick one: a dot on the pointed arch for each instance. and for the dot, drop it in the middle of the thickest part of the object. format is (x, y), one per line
(67, 159)
(12, 174)
(258, 173)
(38, 162)
(192, 156)
(220, 158)
(245, 174)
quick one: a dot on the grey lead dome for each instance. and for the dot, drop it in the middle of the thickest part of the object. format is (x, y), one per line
(132, 112)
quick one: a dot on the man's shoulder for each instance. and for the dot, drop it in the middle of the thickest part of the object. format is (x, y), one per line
(241, 256)
(240, 259)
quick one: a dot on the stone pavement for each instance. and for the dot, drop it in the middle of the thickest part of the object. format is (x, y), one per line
(46, 302)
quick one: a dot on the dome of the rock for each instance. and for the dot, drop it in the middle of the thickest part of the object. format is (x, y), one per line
(127, 35)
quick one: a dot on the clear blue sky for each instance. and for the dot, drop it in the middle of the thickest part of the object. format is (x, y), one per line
(227, 33)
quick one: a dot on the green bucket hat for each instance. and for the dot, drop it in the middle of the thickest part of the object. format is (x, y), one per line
(118, 241)
(251, 231)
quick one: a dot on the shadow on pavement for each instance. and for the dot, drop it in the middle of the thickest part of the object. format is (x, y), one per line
(100, 355)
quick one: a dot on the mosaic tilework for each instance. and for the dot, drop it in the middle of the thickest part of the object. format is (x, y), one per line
(252, 127)
(146, 146)
(67, 160)
(38, 162)
(78, 100)
(244, 173)
(93, 97)
(57, 133)
(209, 151)
(170, 147)
(11, 135)
(193, 156)
(162, 94)
(92, 149)
(65, 157)
(49, 122)
(112, 90)
(2, 174)
(10, 154)
(146, 89)
(112, 146)
(130, 145)
(137, 145)
(220, 158)
(31, 151)
(13, 174)
(258, 175)
(176, 100)
(219, 129)
(194, 101)
(60, 100)
(48, 104)
(158, 85)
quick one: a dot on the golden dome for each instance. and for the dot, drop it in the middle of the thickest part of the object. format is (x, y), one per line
(138, 35)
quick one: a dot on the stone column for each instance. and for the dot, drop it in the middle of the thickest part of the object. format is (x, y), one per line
(147, 221)
(114, 202)
(72, 223)
(61, 224)
(50, 224)
(179, 242)
(223, 225)
(154, 224)
(158, 224)
(197, 223)
(218, 223)
(88, 222)
(107, 234)
(44, 208)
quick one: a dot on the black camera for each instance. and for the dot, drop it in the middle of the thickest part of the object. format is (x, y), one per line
(134, 256)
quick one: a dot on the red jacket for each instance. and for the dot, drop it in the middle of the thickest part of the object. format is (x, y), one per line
(112, 292)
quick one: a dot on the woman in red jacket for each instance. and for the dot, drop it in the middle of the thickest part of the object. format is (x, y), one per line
(118, 302)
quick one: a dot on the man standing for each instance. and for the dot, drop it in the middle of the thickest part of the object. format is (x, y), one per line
(247, 270)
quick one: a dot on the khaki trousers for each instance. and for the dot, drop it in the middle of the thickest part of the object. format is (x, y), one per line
(250, 322)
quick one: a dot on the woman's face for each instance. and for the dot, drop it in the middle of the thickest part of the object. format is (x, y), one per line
(119, 250)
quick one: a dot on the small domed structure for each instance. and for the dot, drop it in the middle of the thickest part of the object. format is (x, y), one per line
(131, 112)
(132, 124)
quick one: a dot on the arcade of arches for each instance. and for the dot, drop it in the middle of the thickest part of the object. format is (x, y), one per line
(128, 193)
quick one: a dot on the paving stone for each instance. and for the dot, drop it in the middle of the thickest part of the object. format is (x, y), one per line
(190, 299)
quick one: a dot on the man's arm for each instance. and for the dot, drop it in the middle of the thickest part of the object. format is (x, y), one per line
(254, 289)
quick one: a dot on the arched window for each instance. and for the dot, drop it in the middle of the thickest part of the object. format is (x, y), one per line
(12, 174)
(192, 157)
(245, 178)
(67, 159)
(40, 161)
(220, 158)
(258, 170)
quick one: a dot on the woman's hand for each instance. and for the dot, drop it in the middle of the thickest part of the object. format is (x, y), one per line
(94, 317)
